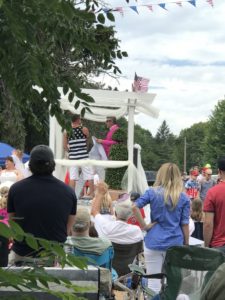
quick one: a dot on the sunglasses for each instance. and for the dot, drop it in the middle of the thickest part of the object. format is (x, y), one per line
(108, 121)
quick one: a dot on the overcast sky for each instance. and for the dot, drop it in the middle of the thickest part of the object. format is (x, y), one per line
(181, 51)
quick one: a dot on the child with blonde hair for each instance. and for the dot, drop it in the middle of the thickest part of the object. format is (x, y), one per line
(197, 216)
(196, 210)
(102, 200)
(4, 190)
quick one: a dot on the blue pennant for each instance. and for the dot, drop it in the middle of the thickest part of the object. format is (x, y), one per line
(134, 8)
(193, 2)
(163, 5)
(106, 10)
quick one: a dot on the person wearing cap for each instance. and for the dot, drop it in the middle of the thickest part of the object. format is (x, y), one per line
(80, 238)
(192, 185)
(108, 141)
(41, 204)
(206, 183)
(201, 176)
(214, 209)
(76, 145)
(116, 229)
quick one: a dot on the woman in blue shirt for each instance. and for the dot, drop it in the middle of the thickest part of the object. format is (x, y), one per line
(170, 211)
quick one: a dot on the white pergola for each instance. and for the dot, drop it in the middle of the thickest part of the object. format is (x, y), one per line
(107, 103)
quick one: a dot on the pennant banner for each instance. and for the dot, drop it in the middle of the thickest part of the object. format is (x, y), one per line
(134, 8)
(192, 2)
(149, 6)
(163, 5)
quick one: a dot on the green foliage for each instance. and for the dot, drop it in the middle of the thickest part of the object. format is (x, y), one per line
(50, 44)
(11, 120)
(144, 138)
(120, 136)
(195, 145)
(215, 138)
(117, 152)
(35, 277)
(164, 145)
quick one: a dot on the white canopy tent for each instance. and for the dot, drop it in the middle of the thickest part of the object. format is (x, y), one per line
(107, 103)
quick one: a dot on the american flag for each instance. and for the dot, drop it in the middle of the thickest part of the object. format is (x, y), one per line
(140, 84)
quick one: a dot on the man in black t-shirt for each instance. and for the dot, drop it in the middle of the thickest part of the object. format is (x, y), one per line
(41, 204)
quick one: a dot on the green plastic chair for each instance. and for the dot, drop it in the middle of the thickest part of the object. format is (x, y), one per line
(186, 270)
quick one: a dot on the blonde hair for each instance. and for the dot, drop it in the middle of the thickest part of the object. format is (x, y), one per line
(18, 153)
(196, 209)
(3, 197)
(169, 178)
(106, 200)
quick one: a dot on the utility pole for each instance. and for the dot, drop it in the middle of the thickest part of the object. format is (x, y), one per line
(185, 154)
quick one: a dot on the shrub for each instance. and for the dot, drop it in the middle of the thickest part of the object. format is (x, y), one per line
(117, 152)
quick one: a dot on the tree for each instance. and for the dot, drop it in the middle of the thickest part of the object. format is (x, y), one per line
(195, 145)
(144, 138)
(49, 44)
(215, 137)
(164, 145)
(113, 177)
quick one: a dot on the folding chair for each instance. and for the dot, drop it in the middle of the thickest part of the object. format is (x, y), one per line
(103, 260)
(186, 271)
(215, 288)
(123, 256)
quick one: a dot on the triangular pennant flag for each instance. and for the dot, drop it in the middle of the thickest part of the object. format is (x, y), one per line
(193, 2)
(106, 10)
(210, 2)
(120, 10)
(149, 7)
(163, 5)
(134, 8)
(179, 3)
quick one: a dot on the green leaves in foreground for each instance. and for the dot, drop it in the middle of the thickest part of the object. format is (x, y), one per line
(36, 277)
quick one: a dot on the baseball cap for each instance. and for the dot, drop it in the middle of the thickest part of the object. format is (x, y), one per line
(41, 154)
(207, 166)
(82, 218)
(221, 163)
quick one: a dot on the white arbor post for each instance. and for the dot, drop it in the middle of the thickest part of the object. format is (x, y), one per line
(130, 137)
(52, 133)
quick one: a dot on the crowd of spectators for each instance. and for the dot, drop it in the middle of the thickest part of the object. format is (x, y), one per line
(47, 208)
